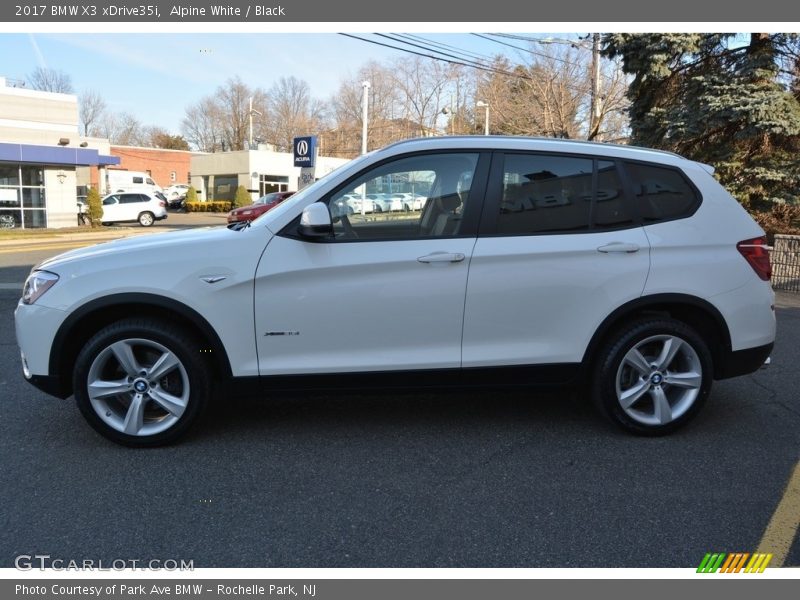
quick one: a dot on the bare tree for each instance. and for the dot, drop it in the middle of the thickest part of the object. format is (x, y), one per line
(344, 139)
(221, 121)
(422, 85)
(292, 112)
(91, 107)
(202, 125)
(613, 125)
(49, 80)
(122, 129)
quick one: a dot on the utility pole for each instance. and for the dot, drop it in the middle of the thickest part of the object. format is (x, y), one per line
(594, 114)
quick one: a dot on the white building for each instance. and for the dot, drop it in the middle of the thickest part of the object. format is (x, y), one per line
(216, 176)
(41, 154)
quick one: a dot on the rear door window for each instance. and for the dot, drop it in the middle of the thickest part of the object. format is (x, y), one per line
(548, 193)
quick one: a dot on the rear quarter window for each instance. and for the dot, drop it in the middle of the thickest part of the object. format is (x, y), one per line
(661, 193)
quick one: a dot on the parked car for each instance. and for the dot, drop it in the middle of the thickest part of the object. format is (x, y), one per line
(142, 207)
(380, 202)
(176, 191)
(258, 208)
(629, 272)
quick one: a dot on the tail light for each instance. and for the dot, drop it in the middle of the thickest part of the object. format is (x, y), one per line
(756, 253)
(162, 203)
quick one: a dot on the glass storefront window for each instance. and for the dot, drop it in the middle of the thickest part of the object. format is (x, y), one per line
(35, 219)
(32, 176)
(225, 187)
(22, 186)
(10, 219)
(33, 198)
(9, 175)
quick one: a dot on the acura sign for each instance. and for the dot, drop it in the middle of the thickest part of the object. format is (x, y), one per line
(305, 151)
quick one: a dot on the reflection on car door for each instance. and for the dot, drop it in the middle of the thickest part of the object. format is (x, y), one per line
(383, 300)
(559, 251)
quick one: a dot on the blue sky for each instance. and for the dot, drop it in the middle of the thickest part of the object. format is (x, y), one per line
(156, 76)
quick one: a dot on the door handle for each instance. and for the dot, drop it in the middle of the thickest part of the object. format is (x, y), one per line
(619, 247)
(439, 257)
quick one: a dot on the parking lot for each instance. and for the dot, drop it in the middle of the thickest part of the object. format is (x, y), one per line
(499, 479)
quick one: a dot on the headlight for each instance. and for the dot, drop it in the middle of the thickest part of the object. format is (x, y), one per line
(37, 284)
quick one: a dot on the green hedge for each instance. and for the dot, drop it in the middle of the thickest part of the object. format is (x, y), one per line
(216, 207)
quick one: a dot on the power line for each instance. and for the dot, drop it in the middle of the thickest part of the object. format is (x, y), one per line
(461, 58)
(534, 52)
(454, 62)
(471, 64)
(446, 46)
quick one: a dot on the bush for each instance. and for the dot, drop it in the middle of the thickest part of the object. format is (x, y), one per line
(242, 197)
(215, 207)
(191, 195)
(94, 208)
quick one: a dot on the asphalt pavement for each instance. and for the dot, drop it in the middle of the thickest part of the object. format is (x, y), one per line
(498, 479)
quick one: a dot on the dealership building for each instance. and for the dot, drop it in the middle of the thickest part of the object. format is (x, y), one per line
(216, 176)
(46, 166)
(43, 159)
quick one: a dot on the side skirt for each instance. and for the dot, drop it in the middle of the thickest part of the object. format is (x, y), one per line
(539, 376)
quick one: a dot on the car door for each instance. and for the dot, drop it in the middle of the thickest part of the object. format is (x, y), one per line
(386, 291)
(559, 249)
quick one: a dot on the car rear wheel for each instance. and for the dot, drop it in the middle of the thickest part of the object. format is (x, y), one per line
(653, 376)
(141, 382)
(146, 219)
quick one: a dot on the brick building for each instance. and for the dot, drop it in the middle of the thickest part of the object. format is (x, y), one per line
(165, 167)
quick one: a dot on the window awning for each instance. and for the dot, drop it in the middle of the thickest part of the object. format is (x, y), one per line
(55, 155)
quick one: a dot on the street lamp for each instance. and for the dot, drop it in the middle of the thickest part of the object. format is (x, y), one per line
(364, 115)
(485, 106)
(250, 115)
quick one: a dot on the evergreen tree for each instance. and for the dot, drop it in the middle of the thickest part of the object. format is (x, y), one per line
(242, 197)
(717, 98)
(191, 195)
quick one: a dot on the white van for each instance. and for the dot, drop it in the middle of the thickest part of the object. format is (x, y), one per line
(130, 181)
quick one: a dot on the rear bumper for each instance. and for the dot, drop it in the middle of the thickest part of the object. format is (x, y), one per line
(742, 362)
(50, 384)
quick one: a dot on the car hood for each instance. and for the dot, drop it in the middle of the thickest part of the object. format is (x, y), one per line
(164, 244)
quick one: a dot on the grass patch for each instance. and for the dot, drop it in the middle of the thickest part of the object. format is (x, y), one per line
(22, 234)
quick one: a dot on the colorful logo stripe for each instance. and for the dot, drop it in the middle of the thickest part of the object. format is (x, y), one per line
(735, 562)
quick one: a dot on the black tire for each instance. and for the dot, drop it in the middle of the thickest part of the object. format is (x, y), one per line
(147, 338)
(645, 335)
(146, 219)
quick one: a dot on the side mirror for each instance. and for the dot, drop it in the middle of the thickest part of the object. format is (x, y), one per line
(315, 221)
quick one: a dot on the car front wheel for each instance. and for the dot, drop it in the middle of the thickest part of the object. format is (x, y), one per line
(146, 219)
(141, 382)
(652, 376)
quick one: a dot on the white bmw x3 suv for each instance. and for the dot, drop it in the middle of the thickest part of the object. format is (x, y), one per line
(630, 271)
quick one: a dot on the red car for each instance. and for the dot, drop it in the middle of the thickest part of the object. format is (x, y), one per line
(262, 205)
